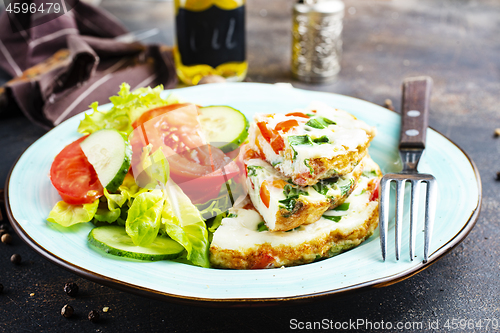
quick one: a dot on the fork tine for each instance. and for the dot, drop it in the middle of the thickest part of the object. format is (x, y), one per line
(385, 191)
(430, 212)
(415, 192)
(400, 198)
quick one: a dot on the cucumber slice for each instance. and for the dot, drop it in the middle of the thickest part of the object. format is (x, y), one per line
(110, 155)
(114, 240)
(226, 128)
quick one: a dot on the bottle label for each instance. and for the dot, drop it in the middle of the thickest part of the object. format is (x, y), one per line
(213, 36)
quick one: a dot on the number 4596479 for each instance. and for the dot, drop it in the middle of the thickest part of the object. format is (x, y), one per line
(47, 7)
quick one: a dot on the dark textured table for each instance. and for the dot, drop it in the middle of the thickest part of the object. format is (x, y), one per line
(456, 42)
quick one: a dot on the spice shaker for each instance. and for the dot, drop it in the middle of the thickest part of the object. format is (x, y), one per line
(317, 42)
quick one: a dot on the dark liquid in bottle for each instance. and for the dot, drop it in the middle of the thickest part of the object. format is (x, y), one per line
(214, 36)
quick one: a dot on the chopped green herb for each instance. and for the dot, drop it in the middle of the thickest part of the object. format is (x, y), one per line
(275, 164)
(344, 206)
(346, 187)
(333, 218)
(324, 185)
(321, 140)
(297, 140)
(252, 170)
(291, 194)
(320, 122)
(310, 114)
(370, 174)
(232, 215)
(262, 227)
(311, 170)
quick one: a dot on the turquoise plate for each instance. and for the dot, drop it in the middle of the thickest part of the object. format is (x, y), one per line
(30, 196)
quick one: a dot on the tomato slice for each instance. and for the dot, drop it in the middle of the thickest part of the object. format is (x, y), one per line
(297, 114)
(263, 260)
(266, 133)
(286, 125)
(198, 168)
(376, 192)
(272, 137)
(265, 196)
(150, 114)
(74, 177)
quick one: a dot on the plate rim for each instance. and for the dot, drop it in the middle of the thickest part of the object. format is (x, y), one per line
(238, 302)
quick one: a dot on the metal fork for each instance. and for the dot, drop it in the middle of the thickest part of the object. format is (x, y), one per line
(414, 120)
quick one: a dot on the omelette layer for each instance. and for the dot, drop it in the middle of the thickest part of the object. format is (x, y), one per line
(238, 243)
(285, 206)
(310, 144)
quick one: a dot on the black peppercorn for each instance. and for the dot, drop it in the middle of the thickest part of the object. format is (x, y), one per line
(6, 239)
(93, 316)
(15, 259)
(71, 289)
(1, 288)
(67, 311)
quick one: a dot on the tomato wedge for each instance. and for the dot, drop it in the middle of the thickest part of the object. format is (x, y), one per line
(74, 177)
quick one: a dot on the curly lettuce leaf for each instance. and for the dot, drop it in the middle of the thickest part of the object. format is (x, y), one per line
(66, 214)
(127, 107)
(183, 222)
(144, 217)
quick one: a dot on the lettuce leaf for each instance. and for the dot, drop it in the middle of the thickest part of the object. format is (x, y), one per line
(127, 107)
(144, 217)
(153, 168)
(183, 222)
(67, 215)
(109, 211)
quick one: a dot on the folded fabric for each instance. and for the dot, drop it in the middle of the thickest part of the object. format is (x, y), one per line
(63, 65)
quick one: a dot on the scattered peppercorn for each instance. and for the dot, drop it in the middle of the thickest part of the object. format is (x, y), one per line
(498, 176)
(15, 259)
(496, 134)
(1, 288)
(388, 105)
(6, 239)
(67, 311)
(71, 289)
(93, 316)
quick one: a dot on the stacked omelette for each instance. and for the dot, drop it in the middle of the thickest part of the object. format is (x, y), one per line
(313, 191)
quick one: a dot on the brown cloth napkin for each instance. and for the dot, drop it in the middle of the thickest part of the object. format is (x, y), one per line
(60, 67)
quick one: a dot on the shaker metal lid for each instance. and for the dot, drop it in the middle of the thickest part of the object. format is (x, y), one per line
(328, 7)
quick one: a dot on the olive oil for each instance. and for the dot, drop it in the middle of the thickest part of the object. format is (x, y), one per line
(210, 39)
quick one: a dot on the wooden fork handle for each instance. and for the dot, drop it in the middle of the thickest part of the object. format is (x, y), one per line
(415, 112)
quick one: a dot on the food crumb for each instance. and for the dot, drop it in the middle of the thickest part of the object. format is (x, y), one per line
(32, 294)
(497, 132)
(105, 309)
